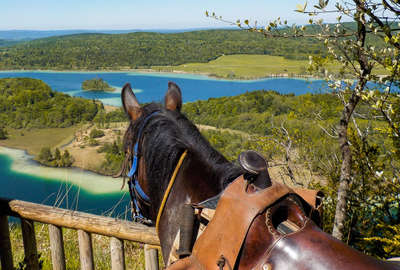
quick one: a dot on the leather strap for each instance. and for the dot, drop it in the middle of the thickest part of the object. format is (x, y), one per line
(168, 190)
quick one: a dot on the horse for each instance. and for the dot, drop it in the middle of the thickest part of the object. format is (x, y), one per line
(171, 165)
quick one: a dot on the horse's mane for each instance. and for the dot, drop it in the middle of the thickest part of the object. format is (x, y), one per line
(165, 137)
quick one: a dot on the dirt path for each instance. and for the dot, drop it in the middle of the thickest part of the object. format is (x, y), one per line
(232, 131)
(86, 156)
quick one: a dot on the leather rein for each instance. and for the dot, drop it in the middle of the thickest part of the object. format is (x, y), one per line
(136, 192)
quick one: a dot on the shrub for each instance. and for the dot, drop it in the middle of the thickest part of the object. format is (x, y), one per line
(96, 133)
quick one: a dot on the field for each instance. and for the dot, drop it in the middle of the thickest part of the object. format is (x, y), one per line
(32, 140)
(243, 66)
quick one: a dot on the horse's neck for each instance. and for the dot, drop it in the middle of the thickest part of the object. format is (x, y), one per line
(195, 182)
(202, 180)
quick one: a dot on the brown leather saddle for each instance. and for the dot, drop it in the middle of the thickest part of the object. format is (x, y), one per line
(295, 242)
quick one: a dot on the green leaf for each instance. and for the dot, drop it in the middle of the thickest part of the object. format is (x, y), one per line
(301, 8)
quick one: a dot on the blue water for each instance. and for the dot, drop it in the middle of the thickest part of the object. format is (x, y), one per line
(152, 86)
(14, 185)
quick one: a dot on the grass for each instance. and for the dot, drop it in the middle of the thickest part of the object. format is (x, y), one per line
(134, 255)
(245, 66)
(33, 140)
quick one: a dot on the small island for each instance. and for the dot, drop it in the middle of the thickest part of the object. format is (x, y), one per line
(97, 84)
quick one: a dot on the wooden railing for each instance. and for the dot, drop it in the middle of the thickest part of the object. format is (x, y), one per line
(86, 224)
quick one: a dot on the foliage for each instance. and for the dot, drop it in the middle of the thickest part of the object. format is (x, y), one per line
(93, 142)
(30, 103)
(46, 157)
(114, 157)
(3, 133)
(96, 133)
(143, 50)
(103, 117)
(96, 84)
(389, 239)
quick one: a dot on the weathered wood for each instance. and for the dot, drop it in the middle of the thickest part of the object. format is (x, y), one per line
(121, 229)
(85, 250)
(5, 245)
(57, 247)
(29, 239)
(151, 258)
(117, 254)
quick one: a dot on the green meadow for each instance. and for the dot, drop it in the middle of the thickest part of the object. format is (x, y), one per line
(246, 66)
(243, 66)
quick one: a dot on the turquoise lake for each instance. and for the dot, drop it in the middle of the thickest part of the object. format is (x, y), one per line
(75, 189)
(152, 86)
(22, 178)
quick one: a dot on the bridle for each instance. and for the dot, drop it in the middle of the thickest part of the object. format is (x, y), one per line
(137, 193)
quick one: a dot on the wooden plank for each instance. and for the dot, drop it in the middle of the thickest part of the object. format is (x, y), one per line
(29, 239)
(5, 245)
(151, 258)
(121, 229)
(117, 254)
(57, 247)
(85, 250)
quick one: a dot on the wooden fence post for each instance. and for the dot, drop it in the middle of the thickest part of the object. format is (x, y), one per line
(57, 247)
(85, 250)
(29, 239)
(117, 254)
(150, 258)
(5, 245)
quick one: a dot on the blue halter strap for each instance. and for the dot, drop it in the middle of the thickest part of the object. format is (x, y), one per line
(135, 190)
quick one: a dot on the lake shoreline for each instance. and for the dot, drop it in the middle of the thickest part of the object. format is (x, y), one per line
(173, 72)
(23, 162)
(18, 142)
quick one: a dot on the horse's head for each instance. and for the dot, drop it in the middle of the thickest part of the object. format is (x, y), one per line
(158, 136)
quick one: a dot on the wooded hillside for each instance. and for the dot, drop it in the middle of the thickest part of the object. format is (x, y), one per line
(30, 103)
(143, 50)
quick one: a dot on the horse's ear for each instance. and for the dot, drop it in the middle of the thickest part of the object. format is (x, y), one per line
(130, 103)
(173, 97)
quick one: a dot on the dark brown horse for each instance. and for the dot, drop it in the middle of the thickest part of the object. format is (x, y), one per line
(165, 136)
(162, 143)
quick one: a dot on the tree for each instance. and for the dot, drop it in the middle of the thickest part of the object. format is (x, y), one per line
(57, 154)
(66, 159)
(45, 155)
(371, 42)
(3, 133)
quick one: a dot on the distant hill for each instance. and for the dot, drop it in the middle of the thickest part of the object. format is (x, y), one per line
(146, 49)
(36, 34)
(7, 42)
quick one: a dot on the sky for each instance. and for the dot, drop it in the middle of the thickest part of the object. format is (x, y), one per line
(134, 14)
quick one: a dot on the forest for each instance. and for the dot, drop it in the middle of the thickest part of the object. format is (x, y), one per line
(143, 50)
(30, 103)
(96, 84)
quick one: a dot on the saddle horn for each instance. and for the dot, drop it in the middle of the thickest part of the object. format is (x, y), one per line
(256, 168)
